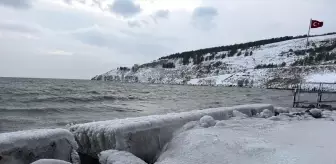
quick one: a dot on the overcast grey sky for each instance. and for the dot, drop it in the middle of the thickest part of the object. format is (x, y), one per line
(82, 38)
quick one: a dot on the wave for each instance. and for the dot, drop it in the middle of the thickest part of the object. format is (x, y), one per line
(35, 110)
(75, 99)
(41, 110)
(20, 93)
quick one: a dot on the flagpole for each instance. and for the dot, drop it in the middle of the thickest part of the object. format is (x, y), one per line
(307, 43)
(303, 64)
(308, 35)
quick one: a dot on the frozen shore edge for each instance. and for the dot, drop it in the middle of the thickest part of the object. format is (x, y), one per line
(144, 137)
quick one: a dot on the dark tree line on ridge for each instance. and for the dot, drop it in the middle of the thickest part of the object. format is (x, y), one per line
(168, 65)
(261, 66)
(316, 55)
(197, 55)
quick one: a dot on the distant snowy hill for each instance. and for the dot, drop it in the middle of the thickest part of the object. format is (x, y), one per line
(272, 63)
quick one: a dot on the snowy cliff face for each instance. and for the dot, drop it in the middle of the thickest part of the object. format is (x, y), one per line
(276, 65)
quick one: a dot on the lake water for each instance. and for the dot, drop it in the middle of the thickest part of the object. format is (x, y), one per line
(45, 103)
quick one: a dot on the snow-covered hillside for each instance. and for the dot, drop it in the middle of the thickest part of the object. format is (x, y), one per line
(276, 65)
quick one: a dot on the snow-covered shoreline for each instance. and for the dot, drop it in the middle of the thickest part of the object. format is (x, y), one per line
(255, 133)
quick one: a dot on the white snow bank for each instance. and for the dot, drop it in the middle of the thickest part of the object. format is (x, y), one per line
(145, 136)
(327, 78)
(254, 141)
(27, 146)
(118, 157)
(215, 80)
(50, 161)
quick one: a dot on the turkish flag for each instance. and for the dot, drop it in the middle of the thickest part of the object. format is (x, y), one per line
(316, 24)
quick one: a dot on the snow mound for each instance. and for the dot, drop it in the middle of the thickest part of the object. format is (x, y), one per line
(118, 157)
(266, 113)
(220, 123)
(50, 161)
(31, 145)
(254, 141)
(145, 136)
(207, 121)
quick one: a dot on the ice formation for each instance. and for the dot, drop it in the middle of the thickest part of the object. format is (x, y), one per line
(24, 147)
(266, 113)
(254, 141)
(239, 114)
(145, 136)
(50, 161)
(118, 157)
(207, 121)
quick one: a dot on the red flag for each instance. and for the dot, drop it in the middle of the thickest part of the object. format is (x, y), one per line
(316, 24)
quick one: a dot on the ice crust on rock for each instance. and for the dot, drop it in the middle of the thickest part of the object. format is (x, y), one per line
(207, 121)
(118, 157)
(145, 136)
(254, 141)
(24, 147)
(266, 113)
(50, 161)
(239, 114)
(316, 113)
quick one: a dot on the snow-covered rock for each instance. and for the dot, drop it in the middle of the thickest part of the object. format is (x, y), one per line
(118, 157)
(145, 136)
(266, 113)
(24, 147)
(50, 161)
(220, 123)
(207, 121)
(254, 141)
(316, 113)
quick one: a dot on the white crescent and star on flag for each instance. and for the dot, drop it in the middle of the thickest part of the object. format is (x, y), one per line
(316, 24)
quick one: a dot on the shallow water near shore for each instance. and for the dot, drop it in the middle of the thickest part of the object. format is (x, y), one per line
(46, 103)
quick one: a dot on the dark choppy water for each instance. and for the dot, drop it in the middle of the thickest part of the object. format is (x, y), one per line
(38, 103)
